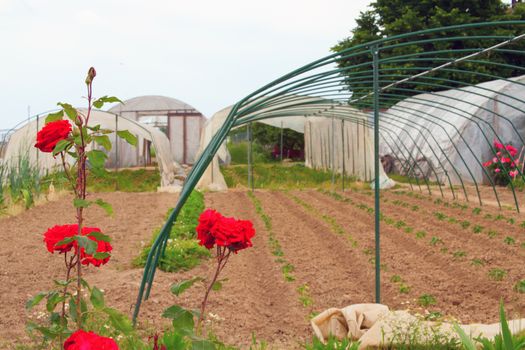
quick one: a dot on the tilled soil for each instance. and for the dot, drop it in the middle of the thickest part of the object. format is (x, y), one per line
(330, 268)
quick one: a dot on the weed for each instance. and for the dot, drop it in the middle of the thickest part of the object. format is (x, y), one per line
(433, 316)
(476, 211)
(440, 215)
(497, 274)
(477, 262)
(435, 241)
(414, 208)
(452, 220)
(459, 254)
(399, 224)
(520, 286)
(465, 224)
(511, 221)
(395, 279)
(409, 229)
(426, 300)
(509, 240)
(499, 217)
(522, 225)
(421, 234)
(444, 250)
(488, 216)
(477, 229)
(492, 233)
(332, 343)
(404, 289)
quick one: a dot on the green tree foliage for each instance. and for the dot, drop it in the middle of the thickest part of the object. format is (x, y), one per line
(387, 18)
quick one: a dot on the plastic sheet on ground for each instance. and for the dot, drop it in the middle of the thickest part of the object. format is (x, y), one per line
(374, 325)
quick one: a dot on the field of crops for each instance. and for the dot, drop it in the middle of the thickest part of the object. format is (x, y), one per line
(313, 250)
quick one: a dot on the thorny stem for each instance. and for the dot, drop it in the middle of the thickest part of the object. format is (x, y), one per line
(69, 266)
(222, 259)
(68, 174)
(81, 194)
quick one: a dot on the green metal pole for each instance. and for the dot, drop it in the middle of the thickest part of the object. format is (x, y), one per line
(375, 55)
(250, 160)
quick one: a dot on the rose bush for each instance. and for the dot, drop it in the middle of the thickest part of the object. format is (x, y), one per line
(51, 134)
(503, 167)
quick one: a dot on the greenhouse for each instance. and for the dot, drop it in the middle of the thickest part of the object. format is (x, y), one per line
(180, 122)
(20, 141)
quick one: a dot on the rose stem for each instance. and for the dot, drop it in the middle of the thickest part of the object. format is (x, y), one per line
(220, 258)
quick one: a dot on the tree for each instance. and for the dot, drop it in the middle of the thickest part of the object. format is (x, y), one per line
(387, 18)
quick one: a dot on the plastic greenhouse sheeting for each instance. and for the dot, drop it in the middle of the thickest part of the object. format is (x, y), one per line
(21, 142)
(357, 158)
(456, 120)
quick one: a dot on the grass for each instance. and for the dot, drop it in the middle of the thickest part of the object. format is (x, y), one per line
(426, 300)
(284, 176)
(183, 251)
(20, 182)
(520, 286)
(497, 274)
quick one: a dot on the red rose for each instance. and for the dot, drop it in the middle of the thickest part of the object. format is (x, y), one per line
(102, 247)
(207, 220)
(498, 145)
(512, 150)
(81, 340)
(242, 239)
(225, 232)
(58, 233)
(51, 134)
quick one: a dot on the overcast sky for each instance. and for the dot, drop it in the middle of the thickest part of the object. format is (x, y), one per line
(206, 53)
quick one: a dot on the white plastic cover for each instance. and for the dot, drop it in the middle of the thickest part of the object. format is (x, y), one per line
(21, 142)
(452, 120)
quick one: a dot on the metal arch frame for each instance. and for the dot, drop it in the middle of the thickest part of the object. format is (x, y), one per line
(312, 80)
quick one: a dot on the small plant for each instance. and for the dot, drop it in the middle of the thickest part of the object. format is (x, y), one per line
(476, 211)
(497, 274)
(522, 225)
(509, 240)
(477, 229)
(499, 217)
(426, 300)
(459, 254)
(395, 279)
(465, 224)
(332, 343)
(477, 262)
(435, 241)
(414, 208)
(421, 234)
(440, 215)
(511, 221)
(452, 220)
(304, 295)
(409, 229)
(492, 233)
(399, 224)
(433, 316)
(404, 289)
(520, 286)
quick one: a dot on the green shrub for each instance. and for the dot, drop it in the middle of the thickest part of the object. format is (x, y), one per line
(239, 153)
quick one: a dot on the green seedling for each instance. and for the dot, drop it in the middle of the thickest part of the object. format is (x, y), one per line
(520, 286)
(497, 274)
(395, 279)
(477, 229)
(476, 211)
(465, 224)
(492, 233)
(509, 240)
(421, 234)
(477, 262)
(435, 241)
(426, 300)
(404, 289)
(459, 254)
(440, 216)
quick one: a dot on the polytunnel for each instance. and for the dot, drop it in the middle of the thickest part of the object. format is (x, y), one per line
(374, 77)
(330, 144)
(180, 122)
(20, 140)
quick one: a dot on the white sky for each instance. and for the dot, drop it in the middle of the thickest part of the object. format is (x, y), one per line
(207, 53)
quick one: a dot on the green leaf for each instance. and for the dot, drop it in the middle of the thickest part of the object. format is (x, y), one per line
(73, 308)
(96, 158)
(71, 112)
(505, 331)
(216, 286)
(65, 241)
(104, 141)
(97, 298)
(178, 288)
(202, 344)
(52, 300)
(81, 203)
(105, 205)
(35, 300)
(89, 245)
(62, 283)
(465, 339)
(128, 137)
(98, 103)
(182, 319)
(101, 255)
(61, 146)
(119, 321)
(99, 236)
(53, 117)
